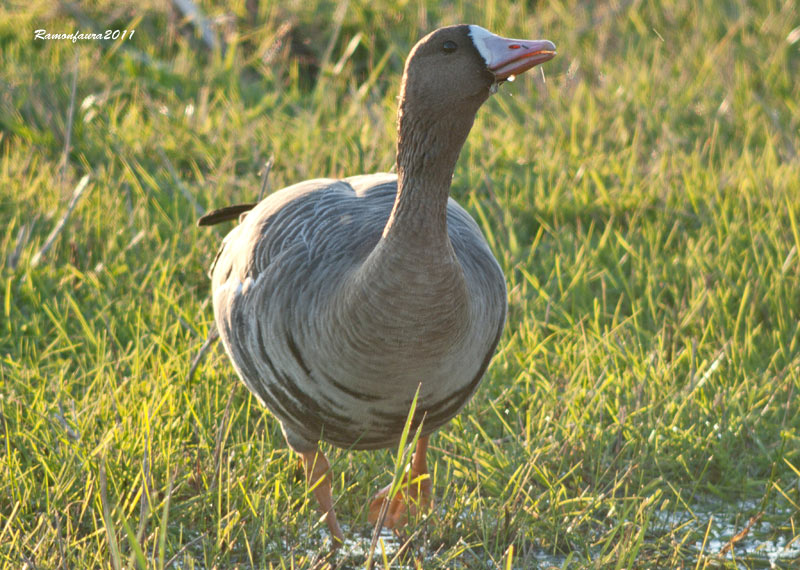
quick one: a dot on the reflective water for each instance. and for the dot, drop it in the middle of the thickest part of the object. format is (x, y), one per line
(708, 529)
(716, 530)
(737, 531)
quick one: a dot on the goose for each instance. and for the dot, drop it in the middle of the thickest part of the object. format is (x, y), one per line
(339, 301)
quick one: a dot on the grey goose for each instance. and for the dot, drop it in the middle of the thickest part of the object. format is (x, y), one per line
(339, 300)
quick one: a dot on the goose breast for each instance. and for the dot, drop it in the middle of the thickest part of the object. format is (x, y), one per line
(333, 357)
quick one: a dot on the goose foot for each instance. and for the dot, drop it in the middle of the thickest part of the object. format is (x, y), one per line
(415, 493)
(318, 477)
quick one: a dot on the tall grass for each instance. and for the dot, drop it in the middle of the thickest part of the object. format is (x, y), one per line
(642, 193)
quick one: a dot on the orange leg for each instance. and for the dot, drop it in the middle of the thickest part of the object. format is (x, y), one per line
(317, 471)
(412, 497)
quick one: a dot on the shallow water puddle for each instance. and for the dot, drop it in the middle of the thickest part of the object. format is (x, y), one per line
(716, 530)
(356, 547)
(388, 545)
(735, 531)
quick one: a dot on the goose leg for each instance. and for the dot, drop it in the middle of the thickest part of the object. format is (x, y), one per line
(415, 494)
(317, 471)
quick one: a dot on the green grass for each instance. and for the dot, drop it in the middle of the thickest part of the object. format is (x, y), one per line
(643, 198)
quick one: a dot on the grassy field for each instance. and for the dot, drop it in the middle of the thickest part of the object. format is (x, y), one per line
(641, 191)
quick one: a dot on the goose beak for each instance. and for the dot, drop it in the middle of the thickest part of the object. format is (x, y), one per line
(506, 57)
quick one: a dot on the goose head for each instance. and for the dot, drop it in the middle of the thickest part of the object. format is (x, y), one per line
(457, 66)
(448, 75)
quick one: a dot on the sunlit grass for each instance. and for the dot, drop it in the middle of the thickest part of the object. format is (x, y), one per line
(641, 191)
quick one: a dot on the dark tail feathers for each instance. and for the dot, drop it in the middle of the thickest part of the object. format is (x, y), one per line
(225, 214)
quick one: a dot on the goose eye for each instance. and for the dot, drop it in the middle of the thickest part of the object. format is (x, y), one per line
(449, 46)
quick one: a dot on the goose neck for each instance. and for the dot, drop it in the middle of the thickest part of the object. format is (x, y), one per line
(427, 152)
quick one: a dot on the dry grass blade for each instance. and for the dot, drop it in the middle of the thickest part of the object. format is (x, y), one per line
(48, 243)
(265, 177)
(348, 53)
(23, 235)
(276, 45)
(741, 535)
(70, 115)
(175, 557)
(404, 547)
(213, 336)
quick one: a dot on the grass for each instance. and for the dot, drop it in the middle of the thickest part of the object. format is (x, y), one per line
(642, 196)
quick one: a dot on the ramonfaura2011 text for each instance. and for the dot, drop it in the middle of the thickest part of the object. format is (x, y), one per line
(76, 36)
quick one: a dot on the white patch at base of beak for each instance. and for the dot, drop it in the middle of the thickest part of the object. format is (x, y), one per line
(479, 38)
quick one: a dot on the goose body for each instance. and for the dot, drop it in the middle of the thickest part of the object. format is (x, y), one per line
(338, 300)
(334, 334)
